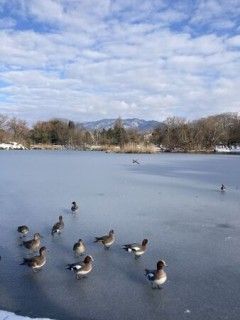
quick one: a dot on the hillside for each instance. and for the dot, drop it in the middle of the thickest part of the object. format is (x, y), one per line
(139, 124)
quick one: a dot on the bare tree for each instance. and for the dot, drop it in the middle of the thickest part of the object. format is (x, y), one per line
(3, 127)
(18, 130)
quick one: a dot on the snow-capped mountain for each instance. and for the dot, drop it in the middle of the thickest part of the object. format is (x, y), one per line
(139, 124)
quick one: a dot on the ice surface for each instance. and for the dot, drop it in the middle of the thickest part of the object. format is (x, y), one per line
(171, 199)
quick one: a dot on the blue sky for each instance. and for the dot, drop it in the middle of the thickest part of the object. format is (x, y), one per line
(87, 60)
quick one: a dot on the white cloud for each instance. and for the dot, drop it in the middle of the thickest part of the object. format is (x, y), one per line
(234, 41)
(45, 10)
(111, 58)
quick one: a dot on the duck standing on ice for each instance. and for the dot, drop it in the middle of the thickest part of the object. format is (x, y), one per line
(157, 277)
(79, 248)
(34, 243)
(106, 240)
(136, 248)
(223, 188)
(23, 230)
(36, 262)
(81, 268)
(58, 226)
(74, 207)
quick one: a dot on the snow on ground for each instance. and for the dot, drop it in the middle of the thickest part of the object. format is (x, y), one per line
(4, 315)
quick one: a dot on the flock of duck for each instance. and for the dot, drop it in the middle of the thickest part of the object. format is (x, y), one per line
(82, 268)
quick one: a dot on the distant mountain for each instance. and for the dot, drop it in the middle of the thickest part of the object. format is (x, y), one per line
(139, 124)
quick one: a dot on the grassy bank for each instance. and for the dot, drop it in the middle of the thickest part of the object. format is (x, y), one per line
(128, 148)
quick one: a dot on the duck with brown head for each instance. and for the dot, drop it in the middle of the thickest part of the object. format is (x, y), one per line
(136, 248)
(157, 277)
(82, 268)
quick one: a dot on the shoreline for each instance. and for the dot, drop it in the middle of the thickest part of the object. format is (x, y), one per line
(122, 152)
(130, 148)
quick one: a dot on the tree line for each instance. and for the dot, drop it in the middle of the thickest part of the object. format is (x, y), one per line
(173, 134)
(199, 135)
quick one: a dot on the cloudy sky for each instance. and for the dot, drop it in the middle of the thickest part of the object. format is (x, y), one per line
(93, 59)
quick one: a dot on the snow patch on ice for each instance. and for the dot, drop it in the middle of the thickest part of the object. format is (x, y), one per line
(4, 315)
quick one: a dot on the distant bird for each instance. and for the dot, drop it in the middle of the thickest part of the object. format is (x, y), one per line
(58, 226)
(74, 207)
(223, 188)
(136, 248)
(81, 268)
(157, 277)
(34, 243)
(106, 240)
(36, 262)
(135, 161)
(79, 247)
(23, 230)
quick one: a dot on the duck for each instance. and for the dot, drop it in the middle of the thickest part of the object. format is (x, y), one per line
(58, 226)
(157, 277)
(136, 248)
(74, 207)
(36, 262)
(223, 188)
(135, 161)
(106, 240)
(79, 247)
(34, 243)
(23, 230)
(81, 268)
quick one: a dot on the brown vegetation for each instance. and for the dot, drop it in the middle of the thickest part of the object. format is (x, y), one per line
(138, 148)
(199, 135)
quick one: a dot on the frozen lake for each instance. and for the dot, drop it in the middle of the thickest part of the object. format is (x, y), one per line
(171, 199)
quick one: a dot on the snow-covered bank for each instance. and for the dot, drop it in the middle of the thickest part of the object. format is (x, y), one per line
(12, 146)
(4, 315)
(226, 149)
